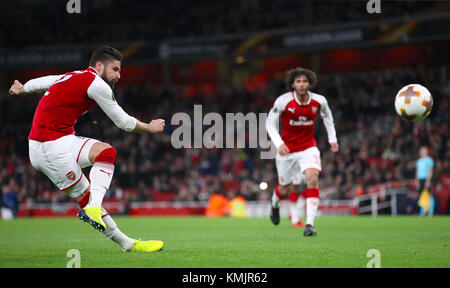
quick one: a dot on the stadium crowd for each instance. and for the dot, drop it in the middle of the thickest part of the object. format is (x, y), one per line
(103, 21)
(376, 146)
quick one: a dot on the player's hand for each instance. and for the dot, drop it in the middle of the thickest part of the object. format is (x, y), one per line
(284, 150)
(156, 126)
(16, 88)
(334, 147)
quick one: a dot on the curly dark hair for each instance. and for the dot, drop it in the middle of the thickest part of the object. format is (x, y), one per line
(297, 72)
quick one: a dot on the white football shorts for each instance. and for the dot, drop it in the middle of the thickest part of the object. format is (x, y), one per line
(61, 160)
(290, 168)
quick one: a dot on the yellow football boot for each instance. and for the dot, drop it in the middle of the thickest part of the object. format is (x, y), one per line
(93, 216)
(147, 246)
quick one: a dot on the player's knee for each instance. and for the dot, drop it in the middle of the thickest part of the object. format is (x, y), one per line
(96, 149)
(312, 177)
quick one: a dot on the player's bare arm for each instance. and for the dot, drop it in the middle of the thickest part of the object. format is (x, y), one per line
(155, 126)
(334, 147)
(284, 149)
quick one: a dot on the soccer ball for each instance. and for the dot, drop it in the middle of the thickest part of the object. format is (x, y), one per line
(413, 102)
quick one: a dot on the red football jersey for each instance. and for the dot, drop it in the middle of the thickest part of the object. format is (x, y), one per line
(68, 97)
(61, 105)
(298, 120)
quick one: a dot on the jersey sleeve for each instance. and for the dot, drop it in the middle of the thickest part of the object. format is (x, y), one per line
(328, 121)
(272, 122)
(40, 84)
(101, 93)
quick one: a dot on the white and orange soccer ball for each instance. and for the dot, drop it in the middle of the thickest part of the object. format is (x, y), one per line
(413, 102)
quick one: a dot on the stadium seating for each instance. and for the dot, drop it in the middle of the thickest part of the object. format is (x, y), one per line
(361, 103)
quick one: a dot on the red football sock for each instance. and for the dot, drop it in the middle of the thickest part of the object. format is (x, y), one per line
(312, 204)
(311, 192)
(278, 194)
(83, 202)
(101, 175)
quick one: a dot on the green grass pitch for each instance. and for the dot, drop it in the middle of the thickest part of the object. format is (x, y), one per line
(231, 243)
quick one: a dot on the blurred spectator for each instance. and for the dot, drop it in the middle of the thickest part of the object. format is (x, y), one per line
(119, 21)
(10, 200)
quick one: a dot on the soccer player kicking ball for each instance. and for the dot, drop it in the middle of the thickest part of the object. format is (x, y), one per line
(297, 148)
(58, 153)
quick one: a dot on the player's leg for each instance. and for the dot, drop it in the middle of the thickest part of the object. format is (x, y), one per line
(296, 202)
(297, 209)
(82, 153)
(300, 207)
(60, 163)
(280, 192)
(56, 160)
(89, 152)
(311, 194)
(113, 232)
(293, 213)
(311, 167)
(103, 157)
(287, 168)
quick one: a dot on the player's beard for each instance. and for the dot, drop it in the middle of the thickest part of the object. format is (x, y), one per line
(110, 83)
